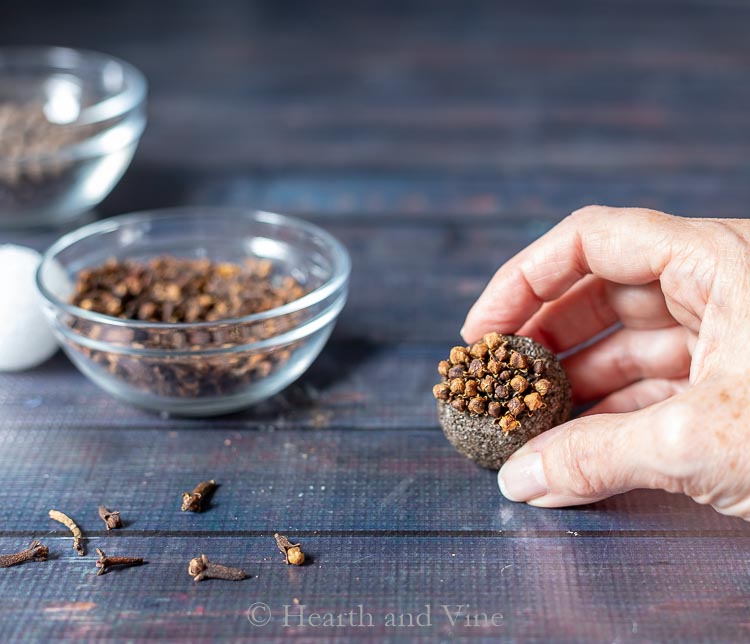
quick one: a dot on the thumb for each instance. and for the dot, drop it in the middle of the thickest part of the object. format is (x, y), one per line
(594, 457)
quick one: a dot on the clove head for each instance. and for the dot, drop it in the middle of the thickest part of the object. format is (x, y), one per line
(295, 556)
(191, 502)
(197, 565)
(38, 551)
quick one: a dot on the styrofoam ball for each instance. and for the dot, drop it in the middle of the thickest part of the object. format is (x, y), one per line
(26, 339)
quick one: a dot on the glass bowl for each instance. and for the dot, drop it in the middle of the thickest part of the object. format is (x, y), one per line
(70, 121)
(202, 368)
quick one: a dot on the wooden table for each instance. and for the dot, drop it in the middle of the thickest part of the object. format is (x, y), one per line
(435, 140)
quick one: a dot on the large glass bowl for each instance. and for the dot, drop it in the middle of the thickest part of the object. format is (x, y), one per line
(206, 368)
(70, 121)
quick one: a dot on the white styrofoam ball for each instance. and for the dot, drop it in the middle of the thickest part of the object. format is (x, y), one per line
(25, 337)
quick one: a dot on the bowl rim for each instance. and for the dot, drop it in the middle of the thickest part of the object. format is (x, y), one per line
(70, 59)
(340, 259)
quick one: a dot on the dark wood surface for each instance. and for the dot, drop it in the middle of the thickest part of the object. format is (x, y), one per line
(435, 140)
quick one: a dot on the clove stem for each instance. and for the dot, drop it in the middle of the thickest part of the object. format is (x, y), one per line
(105, 562)
(200, 568)
(35, 552)
(58, 516)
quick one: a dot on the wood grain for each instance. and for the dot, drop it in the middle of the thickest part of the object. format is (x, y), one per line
(577, 588)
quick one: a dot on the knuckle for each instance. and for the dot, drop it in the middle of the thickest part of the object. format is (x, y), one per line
(677, 444)
(582, 464)
(625, 360)
(655, 216)
(587, 213)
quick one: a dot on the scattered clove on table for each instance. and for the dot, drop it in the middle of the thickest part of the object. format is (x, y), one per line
(111, 518)
(104, 562)
(291, 551)
(35, 552)
(196, 500)
(58, 516)
(201, 568)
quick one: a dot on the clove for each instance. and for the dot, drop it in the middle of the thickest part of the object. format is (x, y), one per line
(105, 562)
(58, 516)
(110, 518)
(195, 501)
(200, 568)
(292, 551)
(35, 552)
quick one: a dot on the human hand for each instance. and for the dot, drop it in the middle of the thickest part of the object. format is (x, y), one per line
(673, 380)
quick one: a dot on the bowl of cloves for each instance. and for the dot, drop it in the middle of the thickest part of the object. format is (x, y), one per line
(194, 311)
(70, 121)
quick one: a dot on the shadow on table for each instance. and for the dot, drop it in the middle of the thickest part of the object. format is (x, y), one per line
(334, 365)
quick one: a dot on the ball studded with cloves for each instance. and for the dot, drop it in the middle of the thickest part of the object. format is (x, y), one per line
(499, 393)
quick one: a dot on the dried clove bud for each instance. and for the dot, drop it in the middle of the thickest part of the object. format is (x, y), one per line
(111, 518)
(502, 391)
(538, 367)
(488, 384)
(292, 551)
(518, 360)
(105, 562)
(479, 350)
(534, 401)
(508, 423)
(477, 369)
(35, 552)
(542, 386)
(505, 375)
(443, 368)
(519, 384)
(457, 386)
(501, 354)
(459, 404)
(477, 405)
(516, 406)
(456, 372)
(459, 355)
(494, 367)
(200, 568)
(470, 388)
(196, 500)
(441, 391)
(495, 409)
(493, 341)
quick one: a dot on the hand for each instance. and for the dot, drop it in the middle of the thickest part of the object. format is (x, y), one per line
(673, 378)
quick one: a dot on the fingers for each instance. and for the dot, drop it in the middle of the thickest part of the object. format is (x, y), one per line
(638, 395)
(581, 461)
(626, 356)
(578, 315)
(622, 245)
(696, 442)
(593, 305)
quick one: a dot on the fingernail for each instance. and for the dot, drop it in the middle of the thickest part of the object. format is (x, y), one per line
(461, 333)
(522, 478)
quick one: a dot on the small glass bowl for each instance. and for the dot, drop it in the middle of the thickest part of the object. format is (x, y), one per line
(70, 121)
(205, 368)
